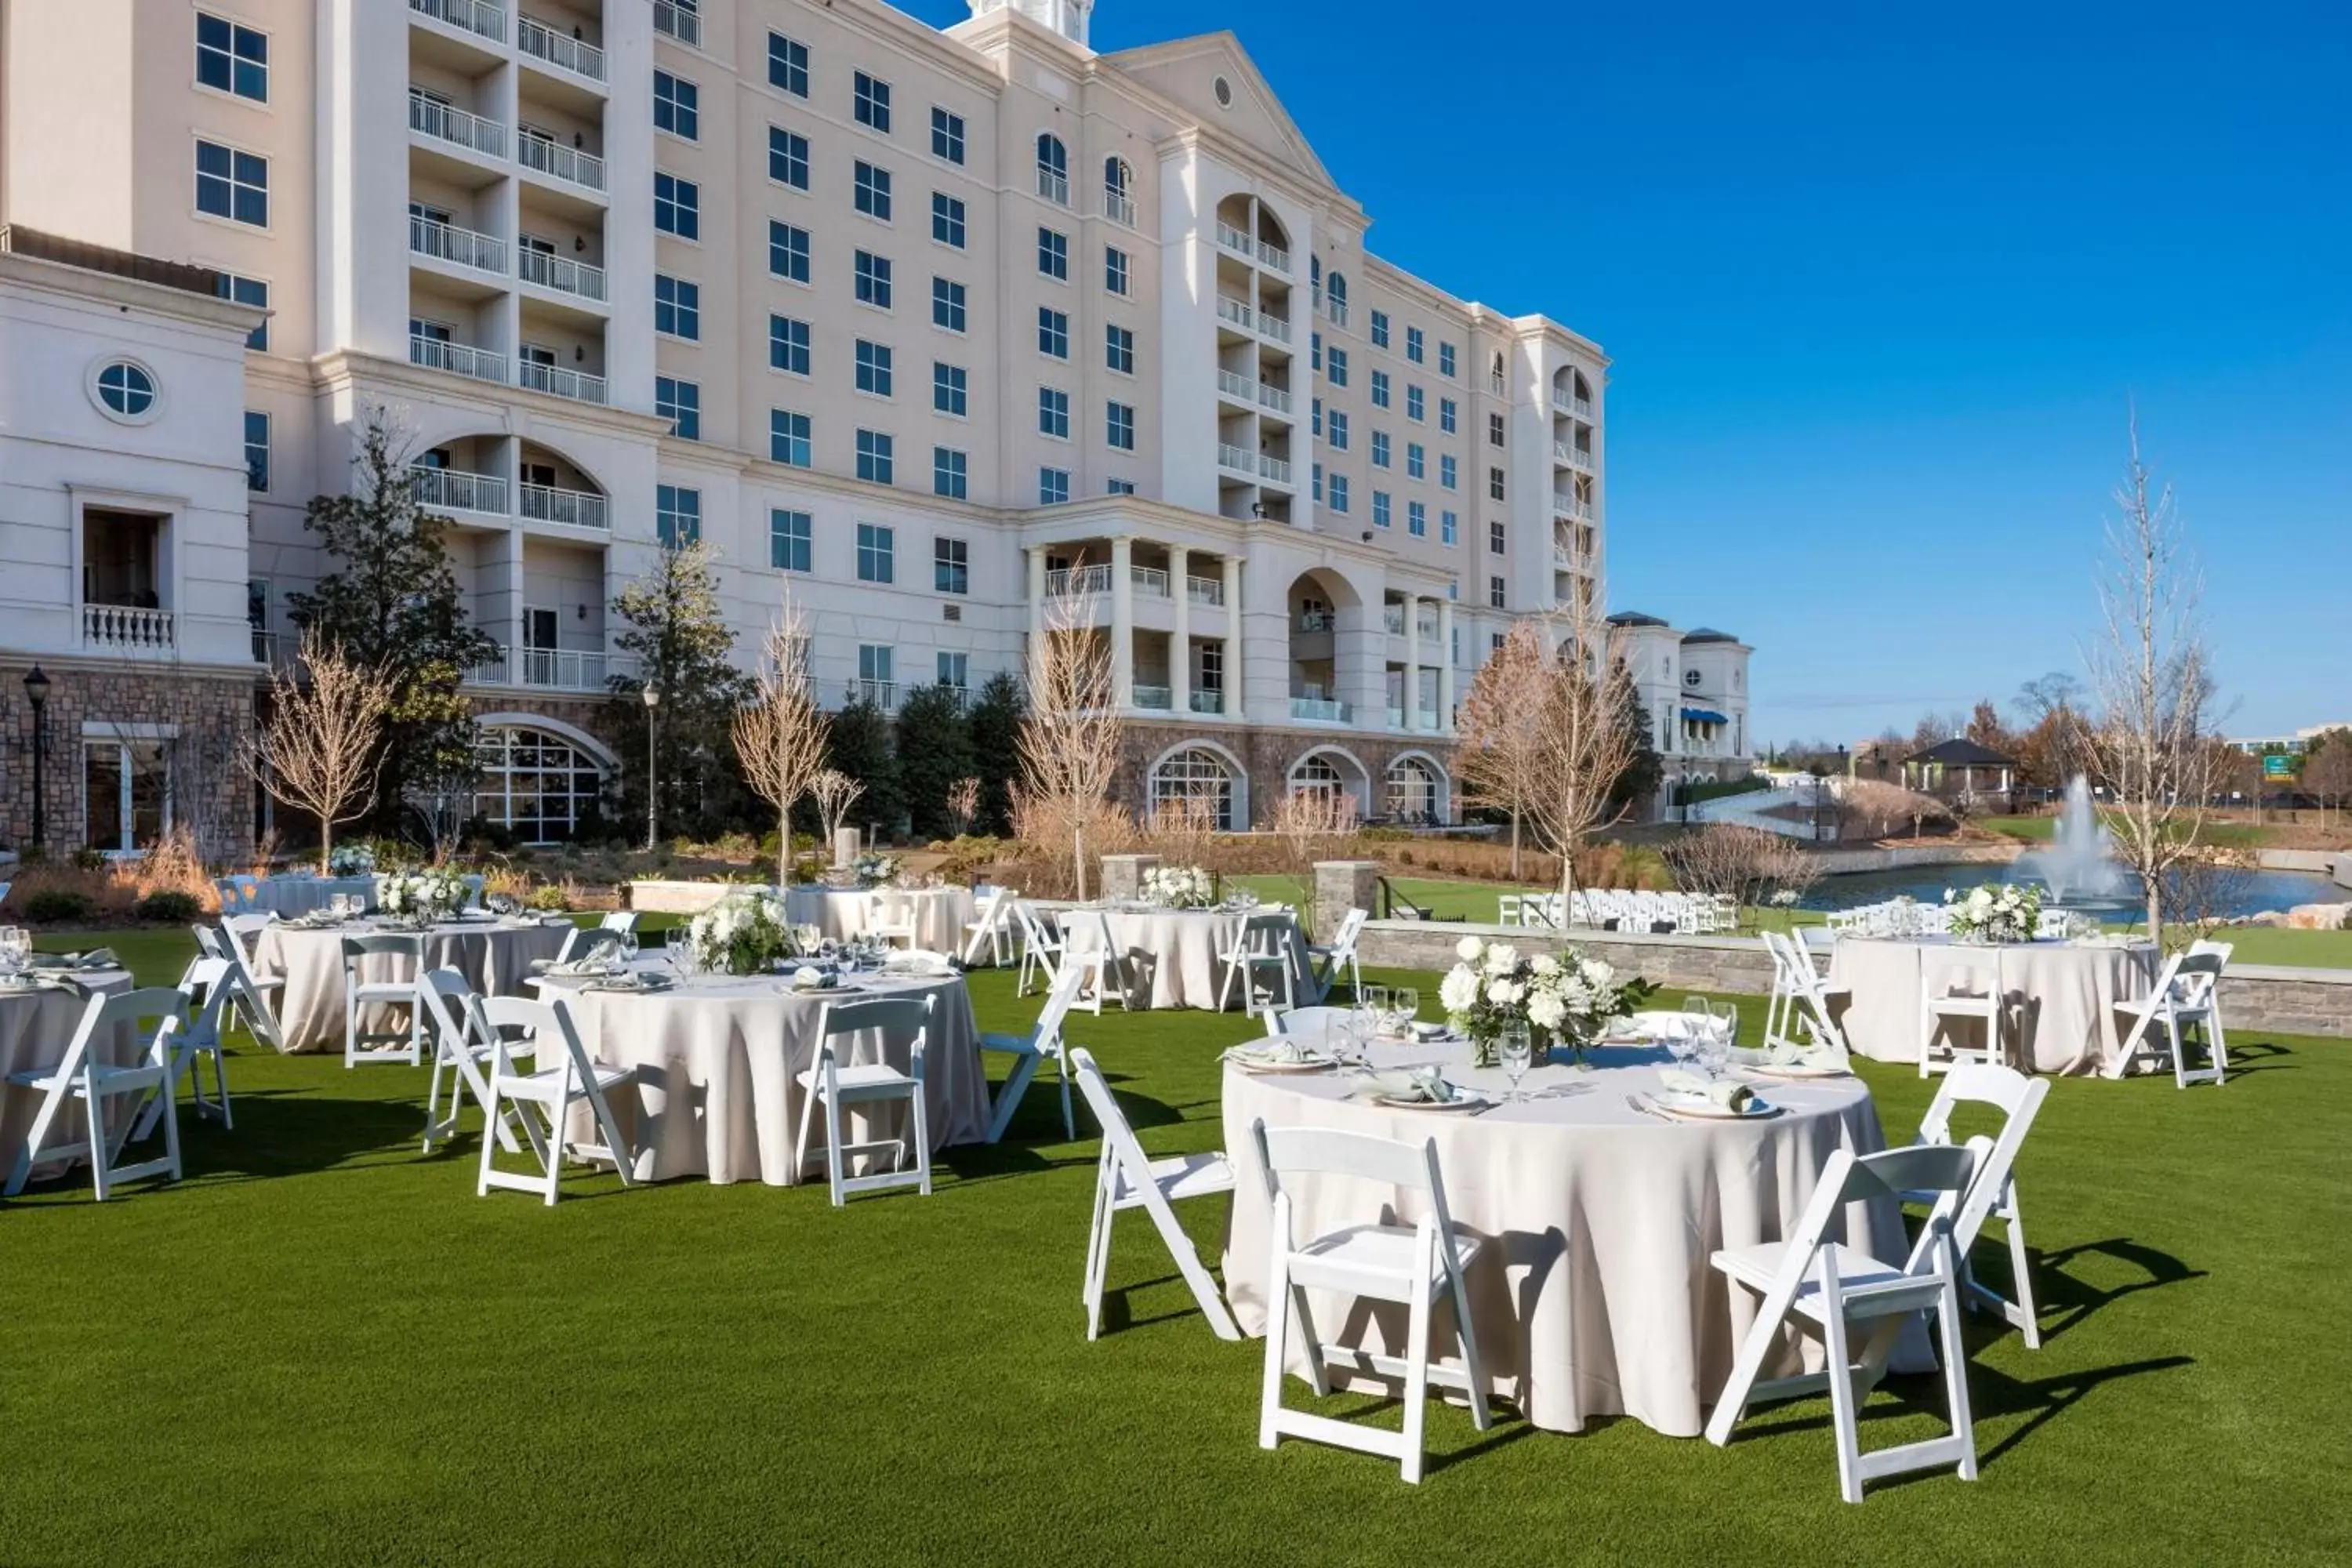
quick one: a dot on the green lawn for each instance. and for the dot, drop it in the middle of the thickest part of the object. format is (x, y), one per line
(322, 1348)
(2224, 834)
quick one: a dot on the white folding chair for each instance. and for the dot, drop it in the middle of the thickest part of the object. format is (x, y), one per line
(250, 995)
(1506, 910)
(1813, 1282)
(890, 917)
(1097, 959)
(370, 1045)
(1804, 1020)
(1041, 950)
(1259, 945)
(572, 1080)
(1128, 1178)
(1417, 1265)
(622, 920)
(1959, 991)
(1993, 1194)
(464, 1052)
(1331, 958)
(583, 942)
(204, 990)
(989, 930)
(833, 1087)
(2187, 995)
(79, 1078)
(1031, 1050)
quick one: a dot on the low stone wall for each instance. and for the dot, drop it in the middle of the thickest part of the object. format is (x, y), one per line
(680, 897)
(2342, 871)
(1904, 858)
(2321, 860)
(2277, 999)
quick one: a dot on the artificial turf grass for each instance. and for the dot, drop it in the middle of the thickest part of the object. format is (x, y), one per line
(321, 1347)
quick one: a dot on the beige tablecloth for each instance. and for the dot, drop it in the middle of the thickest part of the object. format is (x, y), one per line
(940, 913)
(289, 896)
(1171, 955)
(2064, 994)
(36, 1027)
(1592, 1296)
(716, 1062)
(494, 957)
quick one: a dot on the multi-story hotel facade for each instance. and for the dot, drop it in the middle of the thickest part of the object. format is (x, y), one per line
(926, 330)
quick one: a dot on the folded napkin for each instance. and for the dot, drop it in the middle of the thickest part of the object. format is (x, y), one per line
(807, 979)
(1815, 1056)
(918, 961)
(633, 980)
(1727, 1093)
(1424, 1085)
(1276, 1053)
(95, 958)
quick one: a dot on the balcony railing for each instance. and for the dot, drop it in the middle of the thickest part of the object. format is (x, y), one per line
(882, 694)
(125, 629)
(1234, 239)
(560, 668)
(559, 273)
(575, 508)
(1235, 385)
(476, 16)
(1274, 397)
(1148, 580)
(1568, 505)
(1274, 327)
(458, 247)
(458, 359)
(1274, 469)
(1160, 697)
(1208, 703)
(1118, 209)
(1425, 627)
(1205, 590)
(577, 385)
(1321, 709)
(1338, 310)
(1396, 716)
(456, 489)
(1066, 581)
(1235, 310)
(1574, 457)
(1582, 408)
(557, 162)
(1569, 560)
(1274, 256)
(267, 650)
(1318, 621)
(1240, 459)
(1054, 186)
(1393, 619)
(445, 122)
(679, 22)
(542, 42)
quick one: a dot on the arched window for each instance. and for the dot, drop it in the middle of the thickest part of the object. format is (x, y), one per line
(1337, 287)
(1053, 168)
(1413, 790)
(1117, 176)
(535, 782)
(1316, 773)
(1199, 776)
(1315, 270)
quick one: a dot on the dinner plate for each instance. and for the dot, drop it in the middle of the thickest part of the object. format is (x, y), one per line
(1314, 1064)
(1707, 1111)
(1398, 1102)
(1794, 1070)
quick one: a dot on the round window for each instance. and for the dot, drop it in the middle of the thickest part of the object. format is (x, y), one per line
(126, 390)
(1224, 91)
(1690, 678)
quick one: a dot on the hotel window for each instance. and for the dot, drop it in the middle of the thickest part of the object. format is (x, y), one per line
(257, 450)
(1416, 407)
(1448, 416)
(870, 102)
(1380, 329)
(788, 252)
(1335, 365)
(1494, 429)
(788, 345)
(1380, 389)
(680, 403)
(947, 135)
(1314, 421)
(678, 206)
(1412, 350)
(1495, 597)
(1340, 493)
(1316, 486)
(877, 456)
(950, 389)
(1118, 350)
(678, 107)
(232, 184)
(788, 438)
(947, 304)
(874, 366)
(873, 280)
(248, 291)
(788, 533)
(1053, 332)
(1114, 269)
(947, 219)
(1054, 412)
(1315, 350)
(955, 670)
(1380, 449)
(788, 158)
(1416, 519)
(1338, 424)
(1416, 461)
(1054, 254)
(1496, 537)
(876, 682)
(1493, 484)
(677, 308)
(231, 58)
(1445, 359)
(1120, 420)
(870, 190)
(788, 65)
(678, 515)
(950, 476)
(1449, 528)
(951, 566)
(1053, 486)
(1121, 487)
(1381, 509)
(1448, 471)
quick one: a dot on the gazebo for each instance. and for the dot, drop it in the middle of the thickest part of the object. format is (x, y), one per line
(1960, 767)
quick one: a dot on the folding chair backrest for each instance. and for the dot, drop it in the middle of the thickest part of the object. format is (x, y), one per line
(1262, 933)
(2167, 976)
(1344, 944)
(2221, 950)
(211, 979)
(2019, 1098)
(208, 941)
(158, 1005)
(586, 942)
(1031, 928)
(446, 994)
(623, 920)
(241, 930)
(543, 1020)
(1060, 997)
(2198, 973)
(911, 1015)
(983, 925)
(1330, 1150)
(358, 947)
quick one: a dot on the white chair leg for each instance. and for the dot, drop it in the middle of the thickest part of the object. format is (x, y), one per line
(1843, 1398)
(171, 1126)
(1956, 1381)
(482, 1186)
(100, 1177)
(1416, 1381)
(1473, 1369)
(2028, 1320)
(2180, 1052)
(833, 1135)
(922, 1142)
(2221, 1044)
(1277, 1336)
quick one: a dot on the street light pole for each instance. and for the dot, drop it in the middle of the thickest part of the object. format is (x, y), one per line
(653, 780)
(37, 691)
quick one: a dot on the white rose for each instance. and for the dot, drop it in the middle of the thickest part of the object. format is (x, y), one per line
(1597, 974)
(1502, 958)
(1458, 990)
(1546, 1012)
(1544, 964)
(1505, 993)
(1468, 949)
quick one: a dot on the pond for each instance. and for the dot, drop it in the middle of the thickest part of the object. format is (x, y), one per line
(2240, 892)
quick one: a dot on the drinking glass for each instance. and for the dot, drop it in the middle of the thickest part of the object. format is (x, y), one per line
(1376, 998)
(1728, 1020)
(1714, 1053)
(629, 947)
(1407, 1002)
(1517, 1055)
(1682, 1045)
(1698, 1007)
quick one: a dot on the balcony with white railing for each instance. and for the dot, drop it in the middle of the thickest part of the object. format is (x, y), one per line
(541, 42)
(1573, 456)
(447, 123)
(1338, 310)
(560, 668)
(1118, 209)
(1274, 327)
(1273, 470)
(574, 508)
(1393, 619)
(1238, 459)
(1497, 386)
(1582, 407)
(1569, 506)
(126, 628)
(683, 23)
(1396, 716)
(1235, 311)
(1054, 186)
(1150, 581)
(577, 385)
(1234, 240)
(457, 358)
(1205, 590)
(561, 273)
(1159, 698)
(1274, 397)
(1566, 559)
(478, 17)
(882, 694)
(1235, 386)
(1273, 256)
(1208, 703)
(457, 247)
(455, 490)
(557, 162)
(1322, 709)
(1065, 581)
(1318, 621)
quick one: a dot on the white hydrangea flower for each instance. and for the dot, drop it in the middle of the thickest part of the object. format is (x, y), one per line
(1502, 958)
(1544, 964)
(1505, 993)
(1458, 990)
(1468, 949)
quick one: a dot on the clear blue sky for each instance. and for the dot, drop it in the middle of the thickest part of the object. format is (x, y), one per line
(1880, 283)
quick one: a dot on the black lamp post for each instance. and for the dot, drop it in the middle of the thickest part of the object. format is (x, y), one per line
(37, 691)
(653, 783)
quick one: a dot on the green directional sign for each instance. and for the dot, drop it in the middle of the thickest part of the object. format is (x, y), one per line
(2277, 765)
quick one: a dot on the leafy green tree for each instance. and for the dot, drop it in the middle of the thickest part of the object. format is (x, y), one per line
(858, 744)
(677, 635)
(1645, 770)
(934, 750)
(390, 601)
(994, 725)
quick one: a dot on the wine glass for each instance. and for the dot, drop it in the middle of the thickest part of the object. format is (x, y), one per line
(1728, 1020)
(1682, 1045)
(1698, 1007)
(1517, 1055)
(1407, 1002)
(629, 948)
(1714, 1053)
(1376, 1000)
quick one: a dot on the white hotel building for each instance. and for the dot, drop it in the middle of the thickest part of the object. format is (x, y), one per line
(923, 328)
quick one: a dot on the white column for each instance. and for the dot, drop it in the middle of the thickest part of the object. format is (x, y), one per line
(1036, 604)
(1446, 665)
(1122, 623)
(1233, 637)
(515, 628)
(1412, 710)
(1180, 640)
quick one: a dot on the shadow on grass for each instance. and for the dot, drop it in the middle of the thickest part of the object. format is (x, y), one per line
(2060, 1291)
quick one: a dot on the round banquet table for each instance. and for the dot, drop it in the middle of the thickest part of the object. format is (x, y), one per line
(36, 1027)
(2066, 994)
(717, 1059)
(940, 913)
(1592, 1293)
(494, 955)
(286, 897)
(1170, 956)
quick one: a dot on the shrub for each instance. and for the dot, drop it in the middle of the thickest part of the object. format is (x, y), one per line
(171, 908)
(87, 859)
(549, 897)
(58, 906)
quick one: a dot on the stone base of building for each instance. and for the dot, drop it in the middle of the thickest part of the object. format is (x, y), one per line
(1385, 772)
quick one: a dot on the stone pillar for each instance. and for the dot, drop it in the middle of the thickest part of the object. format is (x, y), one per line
(1122, 624)
(1341, 886)
(1410, 711)
(1233, 637)
(1180, 639)
(1445, 665)
(1122, 875)
(1036, 604)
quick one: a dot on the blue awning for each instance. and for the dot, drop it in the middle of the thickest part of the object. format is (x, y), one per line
(1705, 716)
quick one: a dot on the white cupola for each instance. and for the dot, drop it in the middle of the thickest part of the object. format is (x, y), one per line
(1067, 18)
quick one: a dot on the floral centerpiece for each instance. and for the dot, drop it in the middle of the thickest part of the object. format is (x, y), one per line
(1566, 996)
(352, 861)
(425, 898)
(742, 934)
(873, 868)
(1990, 913)
(1178, 888)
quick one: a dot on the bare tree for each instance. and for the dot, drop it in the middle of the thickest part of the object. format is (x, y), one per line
(964, 805)
(1584, 739)
(1313, 825)
(1747, 864)
(1496, 745)
(835, 793)
(2327, 770)
(1181, 831)
(1072, 735)
(780, 733)
(319, 752)
(2152, 683)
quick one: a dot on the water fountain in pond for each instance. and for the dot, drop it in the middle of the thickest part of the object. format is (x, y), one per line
(2077, 868)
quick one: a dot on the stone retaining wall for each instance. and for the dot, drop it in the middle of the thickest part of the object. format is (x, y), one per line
(2277, 999)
